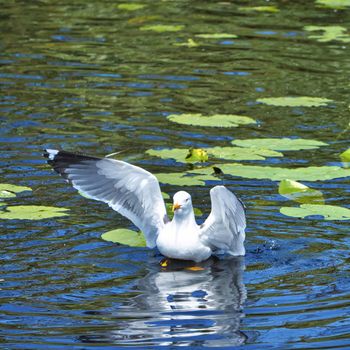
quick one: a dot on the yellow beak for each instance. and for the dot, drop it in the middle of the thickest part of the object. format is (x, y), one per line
(176, 206)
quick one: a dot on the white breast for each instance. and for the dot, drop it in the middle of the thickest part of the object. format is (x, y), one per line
(182, 243)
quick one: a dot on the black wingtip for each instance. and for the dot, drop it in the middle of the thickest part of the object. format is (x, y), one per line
(61, 160)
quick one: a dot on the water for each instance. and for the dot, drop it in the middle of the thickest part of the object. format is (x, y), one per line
(83, 76)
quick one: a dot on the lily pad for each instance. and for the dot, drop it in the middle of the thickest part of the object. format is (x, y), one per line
(299, 192)
(302, 101)
(181, 155)
(10, 191)
(125, 237)
(283, 144)
(161, 28)
(239, 153)
(271, 9)
(31, 212)
(315, 173)
(231, 153)
(217, 120)
(7, 194)
(329, 33)
(334, 4)
(181, 179)
(130, 6)
(345, 158)
(329, 212)
(217, 36)
(165, 195)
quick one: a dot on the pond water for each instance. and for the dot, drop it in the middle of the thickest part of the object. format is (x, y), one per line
(99, 77)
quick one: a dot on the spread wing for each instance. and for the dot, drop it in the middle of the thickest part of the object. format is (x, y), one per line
(224, 228)
(128, 189)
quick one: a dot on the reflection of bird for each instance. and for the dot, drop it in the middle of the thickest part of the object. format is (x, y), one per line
(182, 307)
(135, 193)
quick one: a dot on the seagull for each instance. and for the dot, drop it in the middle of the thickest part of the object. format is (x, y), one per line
(135, 193)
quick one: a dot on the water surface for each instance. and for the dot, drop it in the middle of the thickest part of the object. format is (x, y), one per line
(86, 76)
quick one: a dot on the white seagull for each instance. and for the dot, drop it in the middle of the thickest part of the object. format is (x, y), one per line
(135, 193)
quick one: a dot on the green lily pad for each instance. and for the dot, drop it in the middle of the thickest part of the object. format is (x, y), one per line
(217, 36)
(31, 212)
(217, 120)
(315, 173)
(161, 28)
(345, 158)
(10, 191)
(329, 212)
(181, 155)
(231, 153)
(197, 212)
(302, 101)
(271, 9)
(165, 195)
(181, 179)
(334, 4)
(239, 153)
(125, 237)
(7, 194)
(130, 6)
(329, 33)
(284, 144)
(299, 192)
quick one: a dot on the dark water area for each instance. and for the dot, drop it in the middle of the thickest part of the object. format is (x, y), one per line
(93, 77)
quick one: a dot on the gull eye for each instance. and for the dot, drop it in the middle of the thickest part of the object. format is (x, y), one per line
(187, 199)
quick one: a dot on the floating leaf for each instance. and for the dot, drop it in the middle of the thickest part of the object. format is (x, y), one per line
(9, 191)
(330, 33)
(7, 194)
(180, 179)
(217, 36)
(231, 153)
(165, 195)
(31, 212)
(188, 43)
(277, 174)
(239, 153)
(181, 155)
(271, 9)
(130, 6)
(345, 158)
(125, 237)
(300, 193)
(302, 101)
(160, 28)
(334, 4)
(217, 120)
(329, 212)
(197, 212)
(284, 144)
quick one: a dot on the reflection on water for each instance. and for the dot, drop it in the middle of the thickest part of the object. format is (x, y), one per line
(178, 306)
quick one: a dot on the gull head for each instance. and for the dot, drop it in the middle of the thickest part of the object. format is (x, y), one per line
(182, 203)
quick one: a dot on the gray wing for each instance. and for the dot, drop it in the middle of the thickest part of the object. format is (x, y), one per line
(224, 229)
(128, 189)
